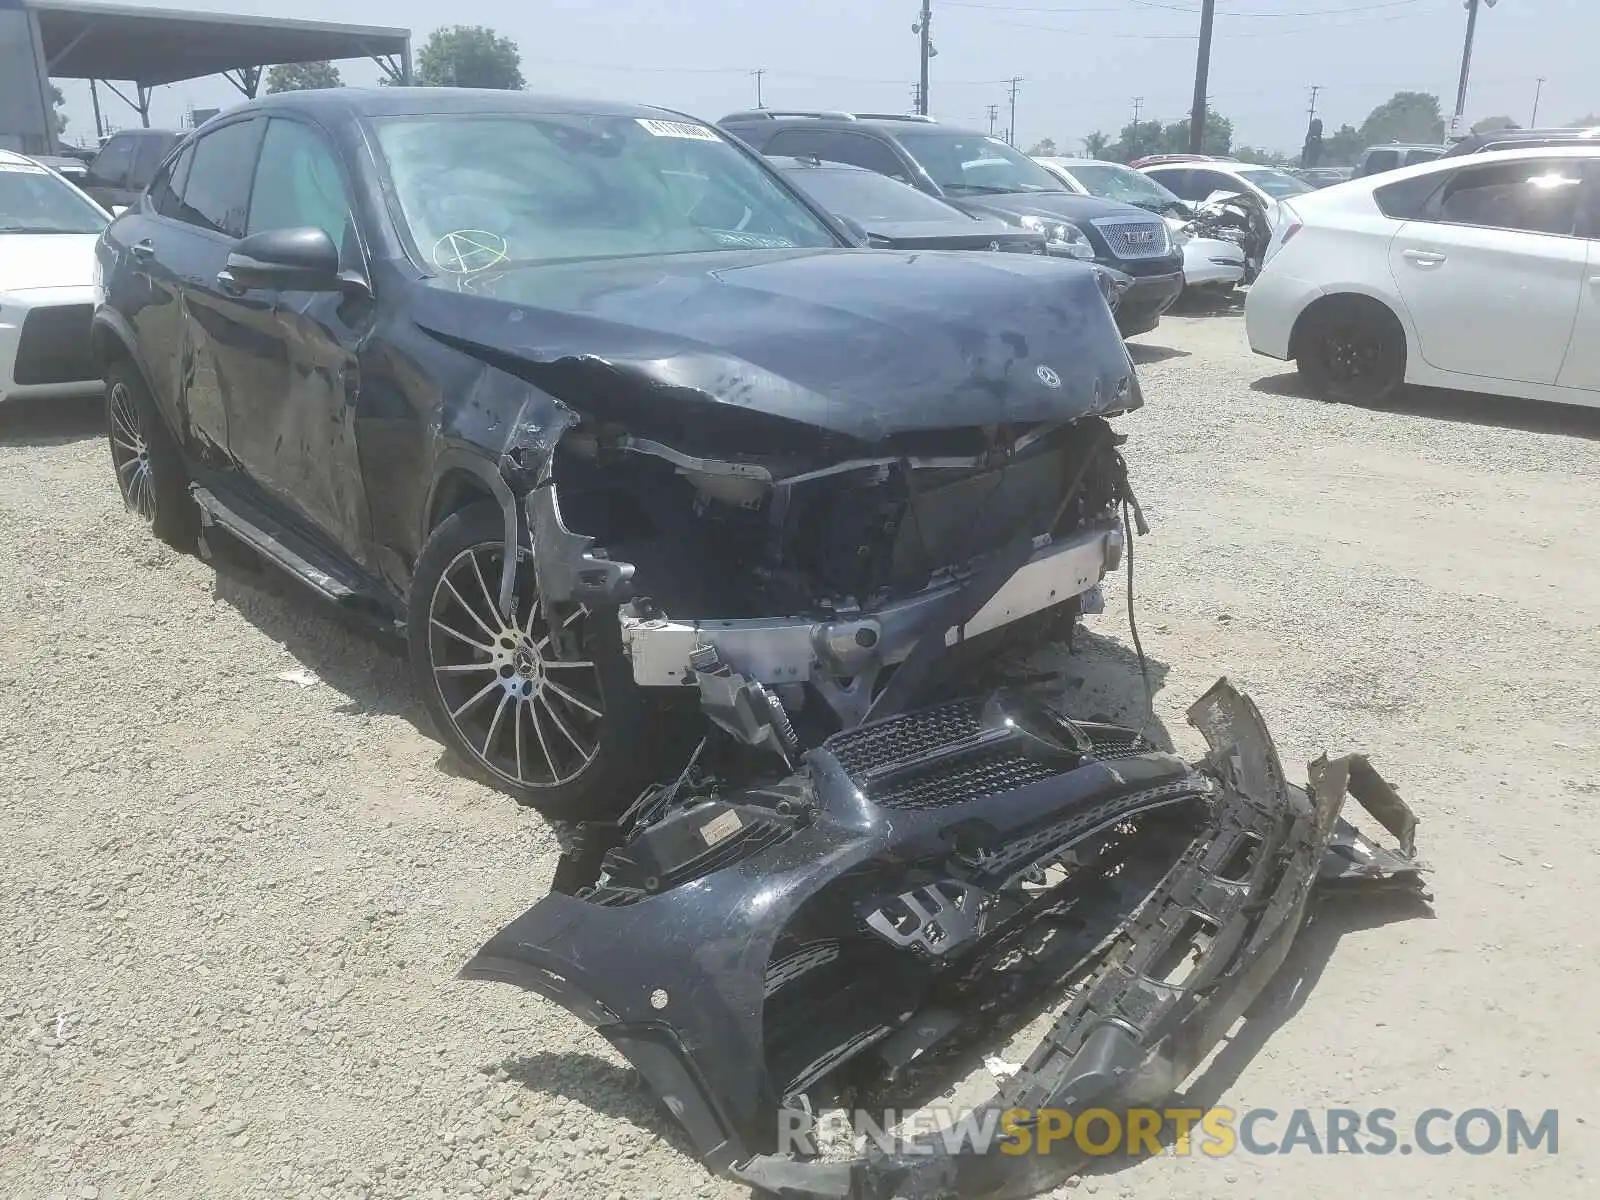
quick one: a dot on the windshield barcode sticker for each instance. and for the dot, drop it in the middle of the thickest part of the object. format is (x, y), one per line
(678, 129)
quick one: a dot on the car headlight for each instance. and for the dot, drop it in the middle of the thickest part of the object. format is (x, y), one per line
(1060, 237)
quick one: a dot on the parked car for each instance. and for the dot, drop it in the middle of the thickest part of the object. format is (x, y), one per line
(74, 170)
(893, 215)
(1321, 177)
(1475, 273)
(607, 415)
(1211, 263)
(984, 176)
(47, 236)
(126, 164)
(1524, 139)
(1375, 160)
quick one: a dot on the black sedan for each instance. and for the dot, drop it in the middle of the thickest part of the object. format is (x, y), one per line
(610, 420)
(899, 217)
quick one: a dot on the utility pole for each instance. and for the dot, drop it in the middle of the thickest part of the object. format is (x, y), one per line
(1466, 64)
(1011, 134)
(994, 115)
(1311, 113)
(916, 98)
(758, 73)
(1533, 121)
(1138, 105)
(922, 29)
(1202, 72)
(99, 125)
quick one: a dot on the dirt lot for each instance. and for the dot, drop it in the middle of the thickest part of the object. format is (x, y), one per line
(237, 878)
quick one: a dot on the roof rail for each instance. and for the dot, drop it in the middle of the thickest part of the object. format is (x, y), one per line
(896, 117)
(772, 114)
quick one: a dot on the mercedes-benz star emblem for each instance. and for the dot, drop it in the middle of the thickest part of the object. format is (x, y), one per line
(1047, 377)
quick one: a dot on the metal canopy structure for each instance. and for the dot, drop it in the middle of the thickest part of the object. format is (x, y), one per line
(148, 47)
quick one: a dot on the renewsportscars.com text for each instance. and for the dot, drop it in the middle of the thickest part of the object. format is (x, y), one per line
(1214, 1132)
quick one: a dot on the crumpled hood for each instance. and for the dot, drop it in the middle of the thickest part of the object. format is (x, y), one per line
(44, 260)
(863, 343)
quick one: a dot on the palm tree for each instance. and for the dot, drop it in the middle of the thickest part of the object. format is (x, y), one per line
(1096, 144)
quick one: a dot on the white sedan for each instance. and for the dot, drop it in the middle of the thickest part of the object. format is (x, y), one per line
(1479, 273)
(1207, 262)
(48, 230)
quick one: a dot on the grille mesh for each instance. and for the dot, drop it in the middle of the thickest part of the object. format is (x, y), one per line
(1135, 239)
(54, 346)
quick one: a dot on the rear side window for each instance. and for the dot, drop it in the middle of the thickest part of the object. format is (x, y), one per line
(870, 153)
(805, 143)
(217, 193)
(1532, 196)
(1408, 199)
(114, 161)
(147, 156)
(166, 190)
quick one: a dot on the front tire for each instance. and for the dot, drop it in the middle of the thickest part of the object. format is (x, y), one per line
(543, 706)
(1352, 352)
(149, 467)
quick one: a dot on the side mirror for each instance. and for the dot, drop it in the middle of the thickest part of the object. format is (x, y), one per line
(855, 228)
(284, 260)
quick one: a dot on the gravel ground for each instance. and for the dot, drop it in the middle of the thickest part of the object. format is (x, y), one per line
(238, 878)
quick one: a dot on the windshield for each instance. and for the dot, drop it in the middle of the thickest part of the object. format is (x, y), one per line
(868, 196)
(477, 192)
(34, 201)
(1276, 184)
(1123, 184)
(967, 164)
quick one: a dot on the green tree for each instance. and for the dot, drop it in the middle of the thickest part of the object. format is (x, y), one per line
(56, 101)
(1342, 147)
(302, 77)
(1137, 139)
(1492, 124)
(1097, 145)
(1404, 117)
(1218, 136)
(469, 56)
(1045, 147)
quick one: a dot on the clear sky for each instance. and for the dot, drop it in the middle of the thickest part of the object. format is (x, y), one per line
(1082, 62)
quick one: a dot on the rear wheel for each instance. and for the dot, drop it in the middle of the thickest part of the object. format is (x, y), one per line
(541, 704)
(150, 473)
(1353, 351)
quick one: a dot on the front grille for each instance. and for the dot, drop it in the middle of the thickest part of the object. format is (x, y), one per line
(54, 346)
(881, 744)
(1135, 237)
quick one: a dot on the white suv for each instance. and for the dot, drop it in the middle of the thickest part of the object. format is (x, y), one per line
(1480, 273)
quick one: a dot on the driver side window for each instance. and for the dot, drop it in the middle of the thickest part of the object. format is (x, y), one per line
(299, 183)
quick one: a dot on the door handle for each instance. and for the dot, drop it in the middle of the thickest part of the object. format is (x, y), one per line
(1424, 258)
(143, 251)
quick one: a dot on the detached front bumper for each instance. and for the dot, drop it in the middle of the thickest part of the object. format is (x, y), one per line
(786, 650)
(1208, 262)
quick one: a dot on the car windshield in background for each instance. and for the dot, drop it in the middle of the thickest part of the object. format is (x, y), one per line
(34, 201)
(868, 196)
(969, 164)
(479, 191)
(1277, 184)
(1123, 184)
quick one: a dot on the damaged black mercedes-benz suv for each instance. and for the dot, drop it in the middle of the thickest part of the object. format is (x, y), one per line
(606, 416)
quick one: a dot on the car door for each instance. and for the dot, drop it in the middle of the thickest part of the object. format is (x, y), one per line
(292, 406)
(1581, 369)
(159, 243)
(1492, 271)
(221, 330)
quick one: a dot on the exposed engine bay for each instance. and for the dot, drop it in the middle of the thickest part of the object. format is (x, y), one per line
(922, 886)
